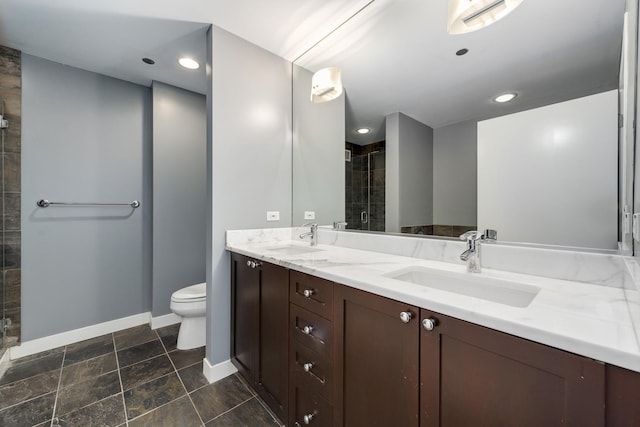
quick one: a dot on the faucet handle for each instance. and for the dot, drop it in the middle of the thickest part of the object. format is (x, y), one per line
(471, 235)
(490, 234)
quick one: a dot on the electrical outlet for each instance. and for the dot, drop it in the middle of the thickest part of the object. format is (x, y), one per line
(273, 215)
(309, 215)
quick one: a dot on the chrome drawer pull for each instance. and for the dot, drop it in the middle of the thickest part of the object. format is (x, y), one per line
(308, 418)
(307, 329)
(308, 293)
(307, 367)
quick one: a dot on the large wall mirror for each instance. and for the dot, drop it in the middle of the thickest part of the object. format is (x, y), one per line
(554, 166)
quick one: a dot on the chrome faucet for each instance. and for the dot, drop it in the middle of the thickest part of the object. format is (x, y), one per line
(313, 233)
(472, 254)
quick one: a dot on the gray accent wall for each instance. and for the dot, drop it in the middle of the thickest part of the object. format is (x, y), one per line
(409, 173)
(84, 137)
(179, 192)
(249, 155)
(318, 154)
(455, 174)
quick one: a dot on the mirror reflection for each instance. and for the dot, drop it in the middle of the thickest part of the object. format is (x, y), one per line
(424, 145)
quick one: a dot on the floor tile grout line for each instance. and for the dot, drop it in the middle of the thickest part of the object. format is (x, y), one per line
(229, 410)
(29, 400)
(55, 402)
(124, 404)
(180, 379)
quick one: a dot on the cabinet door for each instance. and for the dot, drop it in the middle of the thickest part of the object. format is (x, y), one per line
(623, 392)
(376, 361)
(245, 300)
(475, 376)
(272, 381)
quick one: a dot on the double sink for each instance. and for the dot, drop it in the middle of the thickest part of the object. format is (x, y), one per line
(514, 294)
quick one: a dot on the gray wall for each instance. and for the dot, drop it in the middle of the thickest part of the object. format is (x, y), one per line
(455, 182)
(318, 154)
(409, 173)
(83, 140)
(179, 191)
(249, 155)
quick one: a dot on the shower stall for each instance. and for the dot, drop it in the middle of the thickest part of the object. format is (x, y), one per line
(10, 170)
(365, 186)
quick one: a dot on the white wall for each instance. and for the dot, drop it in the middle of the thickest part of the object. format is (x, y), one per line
(455, 172)
(318, 154)
(179, 189)
(249, 160)
(549, 175)
(409, 173)
(84, 140)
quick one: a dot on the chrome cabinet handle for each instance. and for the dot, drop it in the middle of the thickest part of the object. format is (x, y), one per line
(307, 418)
(406, 316)
(307, 330)
(307, 367)
(429, 324)
(254, 264)
(308, 292)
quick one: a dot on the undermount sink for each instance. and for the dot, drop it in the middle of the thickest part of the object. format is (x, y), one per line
(289, 249)
(496, 290)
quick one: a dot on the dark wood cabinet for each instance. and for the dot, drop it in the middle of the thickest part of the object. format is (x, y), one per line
(475, 376)
(311, 357)
(376, 360)
(320, 353)
(623, 397)
(259, 339)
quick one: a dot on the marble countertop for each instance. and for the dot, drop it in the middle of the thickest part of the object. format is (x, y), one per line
(588, 319)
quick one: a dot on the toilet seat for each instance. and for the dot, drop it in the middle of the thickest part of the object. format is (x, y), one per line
(193, 293)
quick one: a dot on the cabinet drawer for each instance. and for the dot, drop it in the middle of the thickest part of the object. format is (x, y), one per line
(311, 370)
(312, 293)
(312, 330)
(318, 412)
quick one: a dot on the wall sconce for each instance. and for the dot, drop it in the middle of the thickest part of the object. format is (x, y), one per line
(326, 85)
(466, 16)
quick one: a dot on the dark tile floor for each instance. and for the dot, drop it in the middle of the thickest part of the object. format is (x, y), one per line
(134, 377)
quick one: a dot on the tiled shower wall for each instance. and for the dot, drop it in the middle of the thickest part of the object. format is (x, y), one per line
(11, 104)
(358, 175)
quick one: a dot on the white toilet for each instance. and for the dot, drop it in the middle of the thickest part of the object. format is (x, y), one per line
(191, 304)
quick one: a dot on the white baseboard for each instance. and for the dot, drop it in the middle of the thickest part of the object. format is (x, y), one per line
(166, 320)
(218, 371)
(65, 338)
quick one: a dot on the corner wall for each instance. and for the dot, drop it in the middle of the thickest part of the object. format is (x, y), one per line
(179, 189)
(249, 160)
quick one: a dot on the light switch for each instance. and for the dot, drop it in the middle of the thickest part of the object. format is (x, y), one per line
(273, 215)
(309, 215)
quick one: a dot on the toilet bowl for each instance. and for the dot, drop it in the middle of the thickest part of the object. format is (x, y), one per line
(190, 303)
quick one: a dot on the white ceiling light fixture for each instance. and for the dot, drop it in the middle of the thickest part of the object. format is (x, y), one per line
(466, 16)
(326, 85)
(189, 63)
(505, 97)
(363, 131)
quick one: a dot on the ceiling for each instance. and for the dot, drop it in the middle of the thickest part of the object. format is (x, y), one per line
(111, 37)
(397, 56)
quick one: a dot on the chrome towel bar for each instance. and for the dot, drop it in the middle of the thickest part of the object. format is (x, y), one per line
(42, 203)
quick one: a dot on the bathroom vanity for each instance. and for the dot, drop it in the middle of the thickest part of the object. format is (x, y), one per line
(336, 336)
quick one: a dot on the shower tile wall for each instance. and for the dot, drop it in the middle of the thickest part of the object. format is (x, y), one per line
(11, 97)
(357, 178)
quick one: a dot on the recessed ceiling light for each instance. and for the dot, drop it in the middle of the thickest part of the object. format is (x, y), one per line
(189, 63)
(505, 97)
(462, 52)
(148, 61)
(363, 131)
